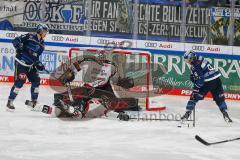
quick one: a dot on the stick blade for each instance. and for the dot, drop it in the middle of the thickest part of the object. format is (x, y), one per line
(202, 140)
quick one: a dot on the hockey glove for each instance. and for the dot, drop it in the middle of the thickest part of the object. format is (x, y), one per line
(19, 48)
(192, 78)
(67, 77)
(18, 45)
(123, 116)
(39, 66)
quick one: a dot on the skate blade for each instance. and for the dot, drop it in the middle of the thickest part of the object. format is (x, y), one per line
(10, 110)
(183, 123)
(228, 122)
(34, 110)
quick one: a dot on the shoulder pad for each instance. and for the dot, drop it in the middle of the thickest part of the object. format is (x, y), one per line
(30, 35)
(23, 35)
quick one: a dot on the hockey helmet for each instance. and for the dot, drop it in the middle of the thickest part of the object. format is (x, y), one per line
(42, 27)
(190, 56)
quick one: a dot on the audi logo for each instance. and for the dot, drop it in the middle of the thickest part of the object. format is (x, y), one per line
(11, 35)
(150, 44)
(57, 38)
(198, 48)
(102, 41)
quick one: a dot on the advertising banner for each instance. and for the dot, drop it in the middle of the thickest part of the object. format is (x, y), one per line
(220, 25)
(164, 20)
(226, 59)
(178, 71)
(107, 18)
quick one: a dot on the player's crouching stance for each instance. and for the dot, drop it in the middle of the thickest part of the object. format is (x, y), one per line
(28, 47)
(205, 79)
(92, 100)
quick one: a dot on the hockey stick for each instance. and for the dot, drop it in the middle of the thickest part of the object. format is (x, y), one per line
(208, 143)
(47, 71)
(194, 116)
(70, 92)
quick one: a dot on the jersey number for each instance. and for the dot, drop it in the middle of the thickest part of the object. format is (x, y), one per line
(210, 68)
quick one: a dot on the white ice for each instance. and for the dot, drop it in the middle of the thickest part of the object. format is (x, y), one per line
(28, 135)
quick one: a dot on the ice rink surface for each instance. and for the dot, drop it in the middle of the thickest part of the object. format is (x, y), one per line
(28, 135)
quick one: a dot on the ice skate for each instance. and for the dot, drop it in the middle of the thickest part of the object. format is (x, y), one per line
(123, 116)
(10, 106)
(30, 103)
(226, 116)
(186, 115)
(33, 105)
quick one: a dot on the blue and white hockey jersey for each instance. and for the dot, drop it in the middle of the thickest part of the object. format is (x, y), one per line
(30, 50)
(202, 71)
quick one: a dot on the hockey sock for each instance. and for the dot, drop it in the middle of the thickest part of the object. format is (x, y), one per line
(222, 106)
(190, 105)
(34, 91)
(13, 93)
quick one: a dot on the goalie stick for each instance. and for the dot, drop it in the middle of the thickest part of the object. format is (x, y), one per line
(198, 138)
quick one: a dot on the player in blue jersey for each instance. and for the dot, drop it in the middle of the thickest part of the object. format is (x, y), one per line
(28, 47)
(205, 79)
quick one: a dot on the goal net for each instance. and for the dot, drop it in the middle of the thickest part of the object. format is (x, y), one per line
(128, 64)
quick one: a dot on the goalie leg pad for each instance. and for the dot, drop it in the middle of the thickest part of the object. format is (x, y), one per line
(95, 112)
(47, 109)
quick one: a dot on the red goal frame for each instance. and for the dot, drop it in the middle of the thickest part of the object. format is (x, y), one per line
(120, 51)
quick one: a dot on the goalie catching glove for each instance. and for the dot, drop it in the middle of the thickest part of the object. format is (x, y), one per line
(67, 77)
